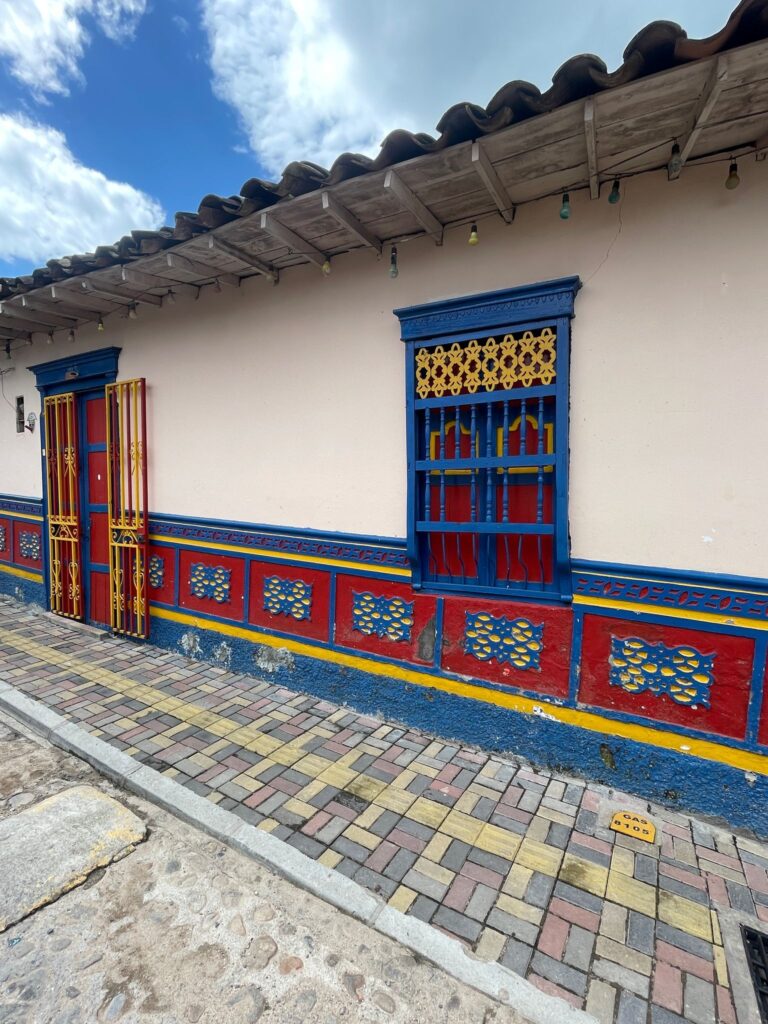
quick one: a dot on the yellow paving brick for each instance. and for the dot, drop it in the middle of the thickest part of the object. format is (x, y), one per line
(432, 750)
(538, 829)
(490, 945)
(214, 797)
(245, 734)
(539, 857)
(721, 967)
(347, 760)
(268, 825)
(519, 908)
(222, 728)
(427, 812)
(312, 765)
(330, 858)
(628, 892)
(366, 787)
(462, 826)
(425, 769)
(432, 870)
(162, 740)
(395, 799)
(401, 898)
(362, 836)
(685, 914)
(584, 874)
(170, 773)
(310, 790)
(466, 802)
(497, 840)
(204, 719)
(247, 782)
(256, 769)
(613, 921)
(517, 880)
(125, 723)
(479, 790)
(286, 755)
(296, 806)
(130, 751)
(717, 937)
(214, 748)
(404, 779)
(369, 816)
(554, 815)
(623, 860)
(621, 954)
(436, 847)
(262, 744)
(339, 777)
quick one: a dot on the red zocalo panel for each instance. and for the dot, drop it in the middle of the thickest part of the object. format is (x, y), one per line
(204, 589)
(279, 594)
(27, 544)
(728, 692)
(99, 598)
(373, 615)
(96, 421)
(6, 540)
(161, 574)
(97, 478)
(762, 734)
(545, 650)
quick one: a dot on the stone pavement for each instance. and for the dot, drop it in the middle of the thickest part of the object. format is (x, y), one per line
(517, 863)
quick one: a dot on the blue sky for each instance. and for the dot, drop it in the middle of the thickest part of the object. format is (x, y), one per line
(116, 113)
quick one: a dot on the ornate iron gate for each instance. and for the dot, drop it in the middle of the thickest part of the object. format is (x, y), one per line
(63, 482)
(127, 498)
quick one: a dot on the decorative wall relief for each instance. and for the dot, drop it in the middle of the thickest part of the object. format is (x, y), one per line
(517, 641)
(288, 597)
(210, 581)
(682, 673)
(390, 617)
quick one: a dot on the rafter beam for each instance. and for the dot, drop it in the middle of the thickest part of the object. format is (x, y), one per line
(344, 216)
(590, 137)
(299, 245)
(59, 299)
(42, 317)
(113, 296)
(11, 334)
(201, 271)
(411, 201)
(21, 326)
(230, 249)
(493, 183)
(709, 97)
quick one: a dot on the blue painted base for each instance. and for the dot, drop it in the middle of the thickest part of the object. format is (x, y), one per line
(675, 780)
(21, 589)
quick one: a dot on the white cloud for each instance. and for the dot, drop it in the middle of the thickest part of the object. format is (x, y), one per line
(43, 40)
(51, 205)
(313, 78)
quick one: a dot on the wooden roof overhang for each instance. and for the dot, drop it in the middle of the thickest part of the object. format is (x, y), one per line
(714, 106)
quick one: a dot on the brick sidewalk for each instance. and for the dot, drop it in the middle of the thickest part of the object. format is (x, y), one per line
(518, 864)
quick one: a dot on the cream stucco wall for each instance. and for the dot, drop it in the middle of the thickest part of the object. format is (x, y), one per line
(285, 405)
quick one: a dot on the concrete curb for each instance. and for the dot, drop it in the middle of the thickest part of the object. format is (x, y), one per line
(492, 979)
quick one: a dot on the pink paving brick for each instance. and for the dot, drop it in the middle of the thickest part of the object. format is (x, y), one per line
(762, 912)
(514, 813)
(407, 840)
(292, 730)
(591, 801)
(316, 822)
(446, 790)
(386, 766)
(460, 893)
(393, 752)
(449, 773)
(685, 961)
(481, 874)
(554, 990)
(725, 1011)
(676, 830)
(576, 915)
(668, 987)
(337, 748)
(236, 762)
(717, 890)
(689, 877)
(211, 773)
(381, 856)
(757, 877)
(343, 812)
(553, 936)
(256, 798)
(511, 796)
(718, 858)
(286, 786)
(667, 849)
(599, 845)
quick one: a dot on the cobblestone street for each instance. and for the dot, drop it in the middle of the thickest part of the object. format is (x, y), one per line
(517, 863)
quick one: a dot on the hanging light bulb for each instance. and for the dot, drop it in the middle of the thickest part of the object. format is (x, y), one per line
(733, 179)
(615, 193)
(7, 350)
(100, 325)
(675, 164)
(169, 299)
(393, 271)
(71, 335)
(49, 339)
(326, 267)
(132, 314)
(565, 207)
(474, 238)
(217, 285)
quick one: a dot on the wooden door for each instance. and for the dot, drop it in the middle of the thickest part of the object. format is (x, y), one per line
(95, 508)
(62, 462)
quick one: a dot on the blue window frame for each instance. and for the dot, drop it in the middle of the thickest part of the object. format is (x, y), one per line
(487, 405)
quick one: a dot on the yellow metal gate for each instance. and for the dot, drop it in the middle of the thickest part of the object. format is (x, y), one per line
(127, 498)
(62, 479)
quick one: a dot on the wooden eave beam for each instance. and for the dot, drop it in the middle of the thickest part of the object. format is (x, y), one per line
(113, 296)
(22, 326)
(344, 216)
(299, 245)
(411, 201)
(63, 301)
(201, 271)
(590, 137)
(12, 334)
(236, 253)
(709, 97)
(493, 183)
(43, 318)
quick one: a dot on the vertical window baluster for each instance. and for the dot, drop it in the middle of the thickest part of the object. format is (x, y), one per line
(473, 485)
(523, 428)
(540, 487)
(428, 457)
(505, 477)
(446, 568)
(488, 471)
(457, 455)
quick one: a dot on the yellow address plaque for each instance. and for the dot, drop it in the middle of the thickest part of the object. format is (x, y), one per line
(631, 824)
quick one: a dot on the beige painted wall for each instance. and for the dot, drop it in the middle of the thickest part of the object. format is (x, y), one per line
(285, 405)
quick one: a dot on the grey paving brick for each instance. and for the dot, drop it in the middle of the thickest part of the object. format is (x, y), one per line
(455, 855)
(559, 835)
(484, 808)
(699, 1000)
(740, 897)
(481, 902)
(530, 801)
(238, 793)
(307, 845)
(579, 948)
(375, 882)
(286, 817)
(586, 853)
(331, 830)
(573, 793)
(402, 861)
(621, 976)
(690, 892)
(559, 973)
(384, 823)
(489, 860)
(326, 794)
(425, 885)
(646, 869)
(415, 828)
(419, 784)
(457, 923)
(578, 897)
(640, 932)
(681, 939)
(510, 824)
(661, 1016)
(510, 925)
(423, 908)
(586, 821)
(268, 806)
(632, 1010)
(702, 836)
(352, 850)
(464, 778)
(347, 867)
(248, 814)
(517, 956)
(539, 889)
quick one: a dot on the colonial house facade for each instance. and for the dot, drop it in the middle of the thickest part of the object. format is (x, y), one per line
(469, 435)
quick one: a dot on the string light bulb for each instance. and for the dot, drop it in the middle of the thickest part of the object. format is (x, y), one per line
(217, 286)
(169, 299)
(474, 238)
(49, 339)
(7, 350)
(71, 336)
(326, 267)
(393, 271)
(615, 193)
(100, 325)
(565, 207)
(733, 179)
(132, 314)
(675, 164)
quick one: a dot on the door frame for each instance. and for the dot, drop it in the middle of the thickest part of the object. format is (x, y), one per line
(88, 371)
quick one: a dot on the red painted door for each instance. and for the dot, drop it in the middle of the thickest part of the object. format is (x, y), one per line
(95, 508)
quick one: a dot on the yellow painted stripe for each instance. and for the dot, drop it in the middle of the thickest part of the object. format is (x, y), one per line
(36, 577)
(20, 515)
(706, 749)
(673, 613)
(668, 582)
(283, 555)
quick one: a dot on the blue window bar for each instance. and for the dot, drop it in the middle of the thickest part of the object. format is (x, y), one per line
(488, 442)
